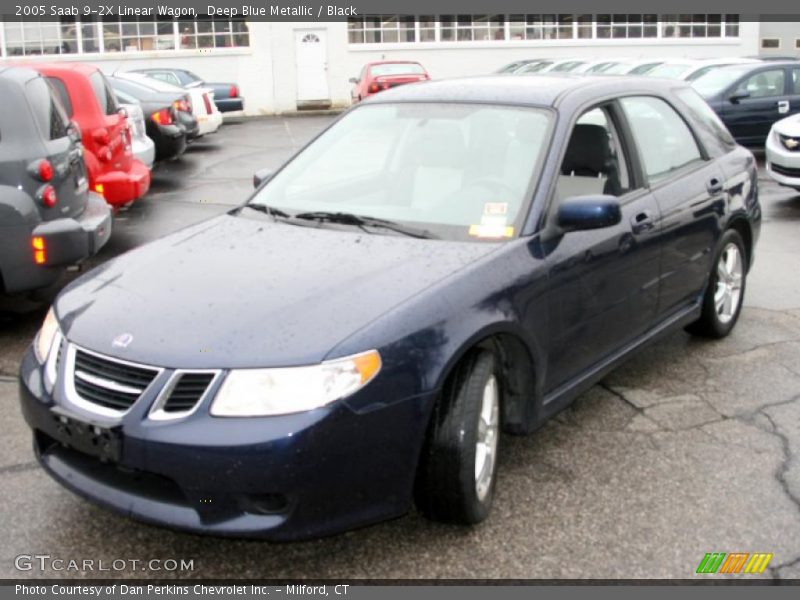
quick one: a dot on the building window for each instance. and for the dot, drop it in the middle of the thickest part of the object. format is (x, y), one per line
(771, 43)
(472, 28)
(91, 35)
(381, 29)
(377, 29)
(797, 43)
(699, 26)
(542, 27)
(627, 26)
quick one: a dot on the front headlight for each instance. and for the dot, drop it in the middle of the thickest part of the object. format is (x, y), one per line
(282, 391)
(44, 339)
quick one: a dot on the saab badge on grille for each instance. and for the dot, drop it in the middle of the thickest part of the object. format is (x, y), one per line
(123, 340)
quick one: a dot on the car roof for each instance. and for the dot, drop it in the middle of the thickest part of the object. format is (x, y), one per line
(16, 73)
(541, 90)
(63, 67)
(758, 66)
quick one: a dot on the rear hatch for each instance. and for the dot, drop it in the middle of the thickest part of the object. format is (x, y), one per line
(113, 137)
(60, 162)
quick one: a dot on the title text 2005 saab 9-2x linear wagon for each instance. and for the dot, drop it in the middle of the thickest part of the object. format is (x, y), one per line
(444, 262)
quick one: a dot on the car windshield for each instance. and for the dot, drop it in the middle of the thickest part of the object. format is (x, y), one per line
(397, 69)
(716, 80)
(536, 67)
(458, 171)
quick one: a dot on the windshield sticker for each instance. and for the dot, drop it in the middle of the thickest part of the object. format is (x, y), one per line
(491, 231)
(495, 208)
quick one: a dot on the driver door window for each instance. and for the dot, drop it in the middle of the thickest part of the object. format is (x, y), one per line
(594, 162)
(765, 84)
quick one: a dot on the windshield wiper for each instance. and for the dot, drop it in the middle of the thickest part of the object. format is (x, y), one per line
(346, 218)
(269, 210)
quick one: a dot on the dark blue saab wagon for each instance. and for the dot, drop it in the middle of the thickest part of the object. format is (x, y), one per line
(447, 261)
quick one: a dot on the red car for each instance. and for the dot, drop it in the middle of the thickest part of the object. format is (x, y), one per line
(113, 171)
(378, 76)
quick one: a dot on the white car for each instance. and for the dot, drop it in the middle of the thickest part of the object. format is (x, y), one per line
(639, 66)
(688, 69)
(783, 152)
(143, 147)
(201, 99)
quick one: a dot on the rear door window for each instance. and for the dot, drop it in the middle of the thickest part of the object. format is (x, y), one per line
(49, 116)
(166, 77)
(665, 141)
(103, 93)
(796, 81)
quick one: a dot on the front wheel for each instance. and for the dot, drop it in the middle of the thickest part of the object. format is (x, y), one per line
(722, 302)
(457, 472)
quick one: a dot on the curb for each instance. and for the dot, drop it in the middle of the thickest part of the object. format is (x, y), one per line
(327, 112)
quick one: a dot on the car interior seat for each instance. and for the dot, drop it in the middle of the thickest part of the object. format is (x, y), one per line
(589, 166)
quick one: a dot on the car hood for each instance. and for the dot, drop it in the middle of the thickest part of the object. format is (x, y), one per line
(240, 292)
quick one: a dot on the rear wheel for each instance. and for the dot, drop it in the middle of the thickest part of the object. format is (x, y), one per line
(722, 302)
(458, 469)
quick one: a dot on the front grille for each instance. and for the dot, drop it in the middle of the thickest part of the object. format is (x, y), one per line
(110, 383)
(788, 171)
(186, 393)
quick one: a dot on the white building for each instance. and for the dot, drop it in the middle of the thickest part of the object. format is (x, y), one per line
(280, 65)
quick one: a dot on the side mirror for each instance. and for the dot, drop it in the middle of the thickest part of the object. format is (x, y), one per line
(123, 111)
(581, 213)
(354, 80)
(261, 176)
(738, 95)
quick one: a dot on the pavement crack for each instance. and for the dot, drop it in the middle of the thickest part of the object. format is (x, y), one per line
(783, 469)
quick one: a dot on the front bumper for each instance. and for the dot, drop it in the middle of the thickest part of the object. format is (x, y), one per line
(209, 123)
(783, 165)
(280, 478)
(123, 187)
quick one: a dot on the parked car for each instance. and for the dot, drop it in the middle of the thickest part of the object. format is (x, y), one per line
(749, 98)
(162, 123)
(184, 104)
(509, 68)
(142, 146)
(85, 94)
(501, 245)
(639, 66)
(48, 217)
(227, 96)
(380, 76)
(689, 69)
(783, 152)
(552, 65)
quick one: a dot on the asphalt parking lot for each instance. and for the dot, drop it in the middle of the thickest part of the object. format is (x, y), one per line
(692, 447)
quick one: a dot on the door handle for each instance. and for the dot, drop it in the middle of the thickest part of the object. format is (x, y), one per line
(714, 186)
(783, 107)
(642, 222)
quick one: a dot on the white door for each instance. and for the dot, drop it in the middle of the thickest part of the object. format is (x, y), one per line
(312, 65)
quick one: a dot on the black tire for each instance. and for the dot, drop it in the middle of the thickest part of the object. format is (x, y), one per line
(711, 324)
(446, 488)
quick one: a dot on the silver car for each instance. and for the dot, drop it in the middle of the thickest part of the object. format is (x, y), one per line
(783, 152)
(143, 147)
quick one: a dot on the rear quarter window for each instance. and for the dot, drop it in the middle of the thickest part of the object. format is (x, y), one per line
(710, 127)
(62, 94)
(103, 93)
(46, 110)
